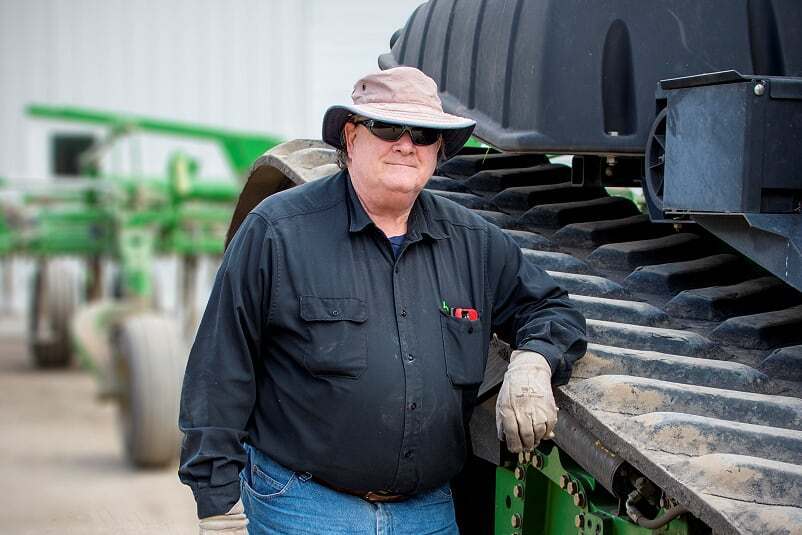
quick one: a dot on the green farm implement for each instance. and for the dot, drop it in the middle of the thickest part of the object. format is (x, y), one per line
(112, 227)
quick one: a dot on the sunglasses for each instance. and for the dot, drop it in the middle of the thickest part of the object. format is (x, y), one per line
(393, 132)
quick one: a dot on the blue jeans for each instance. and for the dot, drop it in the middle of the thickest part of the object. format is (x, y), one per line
(280, 501)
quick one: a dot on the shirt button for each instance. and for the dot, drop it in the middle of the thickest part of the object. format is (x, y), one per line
(410, 357)
(403, 313)
(408, 454)
(335, 312)
(413, 406)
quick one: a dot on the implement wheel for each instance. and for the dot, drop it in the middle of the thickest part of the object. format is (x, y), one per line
(150, 366)
(55, 297)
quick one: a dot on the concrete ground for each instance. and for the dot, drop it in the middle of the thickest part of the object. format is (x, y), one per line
(62, 469)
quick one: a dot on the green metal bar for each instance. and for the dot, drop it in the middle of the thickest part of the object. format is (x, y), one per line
(547, 493)
(241, 148)
(213, 191)
(6, 241)
(136, 247)
(473, 142)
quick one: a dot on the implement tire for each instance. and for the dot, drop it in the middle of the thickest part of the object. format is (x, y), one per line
(150, 364)
(55, 297)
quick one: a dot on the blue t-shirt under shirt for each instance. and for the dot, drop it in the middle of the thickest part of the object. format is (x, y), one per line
(396, 242)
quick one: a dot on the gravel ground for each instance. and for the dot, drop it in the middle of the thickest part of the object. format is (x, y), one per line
(61, 466)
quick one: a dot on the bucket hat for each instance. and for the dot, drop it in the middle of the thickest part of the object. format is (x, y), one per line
(401, 95)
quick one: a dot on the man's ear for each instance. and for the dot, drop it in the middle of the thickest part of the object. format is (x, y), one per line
(349, 132)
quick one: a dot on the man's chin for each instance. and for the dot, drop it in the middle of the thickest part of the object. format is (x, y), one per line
(403, 183)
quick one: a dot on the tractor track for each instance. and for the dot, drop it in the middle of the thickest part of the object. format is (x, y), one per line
(621, 268)
(694, 365)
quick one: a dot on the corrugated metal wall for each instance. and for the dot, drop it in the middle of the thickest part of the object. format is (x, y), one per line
(269, 66)
(259, 65)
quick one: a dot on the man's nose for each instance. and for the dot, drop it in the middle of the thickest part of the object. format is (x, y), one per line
(405, 144)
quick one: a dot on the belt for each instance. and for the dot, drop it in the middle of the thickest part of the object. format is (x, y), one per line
(379, 496)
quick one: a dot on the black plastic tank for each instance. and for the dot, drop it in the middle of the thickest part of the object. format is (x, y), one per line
(579, 76)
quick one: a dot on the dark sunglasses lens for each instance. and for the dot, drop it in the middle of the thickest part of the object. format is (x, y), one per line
(393, 132)
(423, 136)
(387, 132)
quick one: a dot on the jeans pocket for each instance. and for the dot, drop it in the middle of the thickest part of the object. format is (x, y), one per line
(439, 495)
(247, 488)
(264, 478)
(268, 485)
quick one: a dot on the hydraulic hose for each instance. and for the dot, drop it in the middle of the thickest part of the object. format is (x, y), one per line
(652, 523)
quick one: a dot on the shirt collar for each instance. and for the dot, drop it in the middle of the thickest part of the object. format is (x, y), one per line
(358, 218)
(420, 222)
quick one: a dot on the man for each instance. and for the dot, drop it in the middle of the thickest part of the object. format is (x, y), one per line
(347, 332)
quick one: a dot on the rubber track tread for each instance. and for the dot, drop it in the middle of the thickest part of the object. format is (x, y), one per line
(671, 365)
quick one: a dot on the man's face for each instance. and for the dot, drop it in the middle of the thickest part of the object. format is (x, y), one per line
(396, 170)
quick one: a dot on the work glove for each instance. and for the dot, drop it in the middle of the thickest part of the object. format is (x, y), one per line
(525, 408)
(233, 522)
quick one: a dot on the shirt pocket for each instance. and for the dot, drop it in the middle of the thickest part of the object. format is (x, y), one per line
(463, 350)
(338, 338)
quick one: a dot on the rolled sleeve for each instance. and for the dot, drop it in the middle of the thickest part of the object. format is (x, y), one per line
(219, 388)
(532, 312)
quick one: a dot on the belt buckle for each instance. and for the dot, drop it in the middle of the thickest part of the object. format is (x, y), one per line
(381, 496)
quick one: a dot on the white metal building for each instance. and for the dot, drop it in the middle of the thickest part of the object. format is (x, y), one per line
(270, 66)
(258, 65)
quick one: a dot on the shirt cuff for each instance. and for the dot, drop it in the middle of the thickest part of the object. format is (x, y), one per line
(213, 501)
(559, 373)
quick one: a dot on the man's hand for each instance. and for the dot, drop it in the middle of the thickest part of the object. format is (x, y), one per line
(525, 408)
(233, 522)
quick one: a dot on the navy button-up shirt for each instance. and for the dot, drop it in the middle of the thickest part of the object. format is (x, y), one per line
(333, 356)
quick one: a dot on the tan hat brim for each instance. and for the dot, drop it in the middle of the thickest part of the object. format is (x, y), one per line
(456, 130)
(412, 115)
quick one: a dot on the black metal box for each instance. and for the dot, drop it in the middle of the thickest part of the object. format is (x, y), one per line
(733, 144)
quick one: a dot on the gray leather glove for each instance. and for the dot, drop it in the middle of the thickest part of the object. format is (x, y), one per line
(525, 408)
(233, 522)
